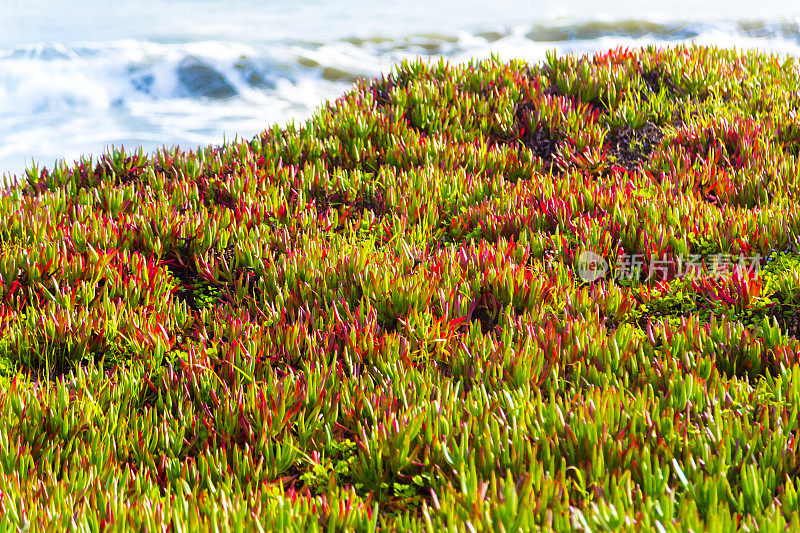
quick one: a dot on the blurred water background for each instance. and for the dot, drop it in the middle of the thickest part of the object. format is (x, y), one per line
(78, 76)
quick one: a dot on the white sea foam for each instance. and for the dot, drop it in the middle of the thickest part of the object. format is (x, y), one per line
(77, 96)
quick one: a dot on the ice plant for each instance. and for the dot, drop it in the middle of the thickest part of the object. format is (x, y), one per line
(378, 319)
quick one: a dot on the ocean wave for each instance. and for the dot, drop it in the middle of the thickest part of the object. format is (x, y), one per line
(46, 77)
(196, 92)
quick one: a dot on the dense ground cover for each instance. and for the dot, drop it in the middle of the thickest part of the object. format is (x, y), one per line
(392, 315)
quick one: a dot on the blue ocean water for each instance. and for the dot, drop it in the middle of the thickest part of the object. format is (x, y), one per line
(78, 76)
